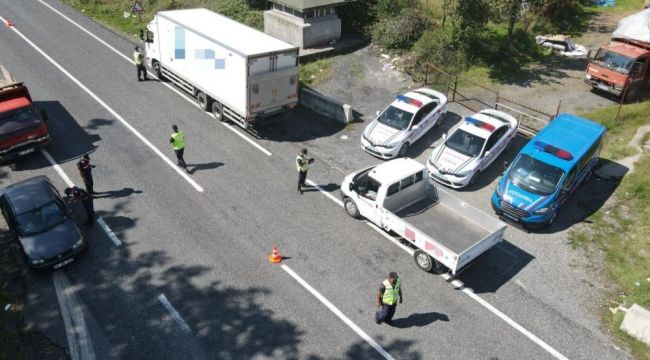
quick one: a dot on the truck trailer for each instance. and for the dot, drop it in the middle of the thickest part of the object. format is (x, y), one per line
(236, 72)
(447, 233)
(22, 127)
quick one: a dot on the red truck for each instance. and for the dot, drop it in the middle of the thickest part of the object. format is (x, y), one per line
(22, 127)
(622, 67)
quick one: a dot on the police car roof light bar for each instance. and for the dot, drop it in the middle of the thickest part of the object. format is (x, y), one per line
(562, 154)
(409, 100)
(480, 124)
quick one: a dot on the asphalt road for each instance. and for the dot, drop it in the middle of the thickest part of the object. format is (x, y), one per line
(206, 251)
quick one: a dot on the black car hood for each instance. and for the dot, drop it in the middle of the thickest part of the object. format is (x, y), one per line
(51, 243)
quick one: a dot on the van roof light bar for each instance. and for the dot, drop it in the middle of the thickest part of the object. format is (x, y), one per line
(562, 154)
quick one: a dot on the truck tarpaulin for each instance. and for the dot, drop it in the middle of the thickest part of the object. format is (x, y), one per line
(634, 27)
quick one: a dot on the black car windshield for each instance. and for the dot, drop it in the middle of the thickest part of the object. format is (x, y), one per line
(18, 119)
(535, 176)
(611, 60)
(466, 143)
(395, 118)
(40, 219)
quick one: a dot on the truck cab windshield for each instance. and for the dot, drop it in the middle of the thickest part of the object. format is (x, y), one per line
(535, 176)
(614, 61)
(395, 118)
(18, 119)
(366, 186)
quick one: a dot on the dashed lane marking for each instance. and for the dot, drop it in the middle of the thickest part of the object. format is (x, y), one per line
(170, 87)
(460, 286)
(109, 109)
(79, 342)
(111, 235)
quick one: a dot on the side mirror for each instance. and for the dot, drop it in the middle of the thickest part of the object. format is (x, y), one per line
(377, 112)
(444, 136)
(415, 127)
(505, 166)
(142, 34)
(351, 186)
(43, 114)
(487, 153)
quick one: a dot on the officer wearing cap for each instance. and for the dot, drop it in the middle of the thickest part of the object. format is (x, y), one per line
(177, 140)
(75, 194)
(85, 170)
(389, 294)
(302, 165)
(137, 59)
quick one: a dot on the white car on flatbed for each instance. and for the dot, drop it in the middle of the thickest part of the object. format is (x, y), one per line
(472, 147)
(446, 232)
(403, 122)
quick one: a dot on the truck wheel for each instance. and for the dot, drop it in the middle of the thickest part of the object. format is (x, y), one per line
(203, 100)
(403, 150)
(156, 70)
(632, 95)
(351, 208)
(423, 260)
(217, 110)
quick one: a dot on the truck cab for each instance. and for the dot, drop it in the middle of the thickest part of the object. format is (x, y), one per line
(22, 127)
(619, 65)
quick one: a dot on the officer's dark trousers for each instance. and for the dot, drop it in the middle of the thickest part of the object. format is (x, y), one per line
(88, 182)
(90, 210)
(142, 71)
(302, 176)
(385, 314)
(179, 156)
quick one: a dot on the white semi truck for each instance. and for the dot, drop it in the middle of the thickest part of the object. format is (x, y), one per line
(234, 71)
(398, 196)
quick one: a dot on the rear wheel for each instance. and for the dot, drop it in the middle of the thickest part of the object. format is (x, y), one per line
(203, 100)
(156, 70)
(351, 208)
(403, 150)
(217, 110)
(423, 260)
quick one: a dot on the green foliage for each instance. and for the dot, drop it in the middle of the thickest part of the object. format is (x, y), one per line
(357, 17)
(387, 8)
(314, 72)
(399, 32)
(441, 46)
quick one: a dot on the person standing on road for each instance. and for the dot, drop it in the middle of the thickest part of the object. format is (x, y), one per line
(390, 292)
(75, 195)
(178, 144)
(302, 165)
(137, 58)
(85, 170)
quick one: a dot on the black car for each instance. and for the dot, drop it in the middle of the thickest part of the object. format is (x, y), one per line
(41, 221)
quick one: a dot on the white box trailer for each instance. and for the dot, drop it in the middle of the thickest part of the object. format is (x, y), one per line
(237, 72)
(447, 233)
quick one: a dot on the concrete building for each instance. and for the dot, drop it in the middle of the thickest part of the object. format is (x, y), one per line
(304, 23)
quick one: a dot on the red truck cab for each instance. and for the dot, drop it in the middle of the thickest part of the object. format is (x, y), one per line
(22, 127)
(619, 65)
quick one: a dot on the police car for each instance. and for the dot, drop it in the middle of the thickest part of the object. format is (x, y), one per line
(471, 148)
(403, 122)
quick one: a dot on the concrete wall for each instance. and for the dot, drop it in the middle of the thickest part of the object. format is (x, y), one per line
(325, 105)
(296, 32)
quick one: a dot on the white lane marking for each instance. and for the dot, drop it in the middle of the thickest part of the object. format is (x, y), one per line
(460, 286)
(58, 168)
(330, 196)
(110, 110)
(175, 315)
(338, 313)
(228, 126)
(109, 232)
(79, 341)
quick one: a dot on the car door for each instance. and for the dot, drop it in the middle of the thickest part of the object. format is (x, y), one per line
(366, 199)
(424, 120)
(7, 214)
(494, 146)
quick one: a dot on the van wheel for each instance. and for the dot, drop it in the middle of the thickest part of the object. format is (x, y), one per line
(156, 70)
(632, 95)
(587, 177)
(351, 208)
(552, 219)
(203, 100)
(217, 110)
(403, 150)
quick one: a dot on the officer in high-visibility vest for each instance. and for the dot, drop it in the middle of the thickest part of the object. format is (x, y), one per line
(302, 165)
(178, 144)
(389, 294)
(137, 58)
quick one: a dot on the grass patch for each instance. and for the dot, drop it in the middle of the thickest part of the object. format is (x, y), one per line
(621, 131)
(621, 230)
(314, 72)
(624, 6)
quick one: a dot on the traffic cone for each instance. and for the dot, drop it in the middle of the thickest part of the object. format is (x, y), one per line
(10, 23)
(275, 256)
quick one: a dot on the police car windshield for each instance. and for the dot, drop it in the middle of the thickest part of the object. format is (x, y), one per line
(395, 118)
(40, 220)
(466, 143)
(535, 176)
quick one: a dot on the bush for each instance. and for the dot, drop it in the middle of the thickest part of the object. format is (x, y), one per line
(399, 32)
(440, 46)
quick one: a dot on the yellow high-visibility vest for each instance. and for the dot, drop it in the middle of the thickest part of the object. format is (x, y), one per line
(301, 160)
(179, 140)
(136, 58)
(391, 294)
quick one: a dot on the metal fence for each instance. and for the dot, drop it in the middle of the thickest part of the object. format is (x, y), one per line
(475, 96)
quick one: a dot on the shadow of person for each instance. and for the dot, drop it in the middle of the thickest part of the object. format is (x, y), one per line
(114, 194)
(419, 320)
(206, 166)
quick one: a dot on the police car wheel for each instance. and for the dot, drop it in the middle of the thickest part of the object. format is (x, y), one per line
(203, 100)
(351, 208)
(217, 110)
(472, 181)
(403, 150)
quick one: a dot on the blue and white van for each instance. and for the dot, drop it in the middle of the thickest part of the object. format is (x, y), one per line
(547, 170)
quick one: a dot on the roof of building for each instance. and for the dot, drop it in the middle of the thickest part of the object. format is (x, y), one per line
(301, 5)
(248, 41)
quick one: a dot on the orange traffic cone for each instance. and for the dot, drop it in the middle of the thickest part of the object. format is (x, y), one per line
(275, 256)
(10, 23)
